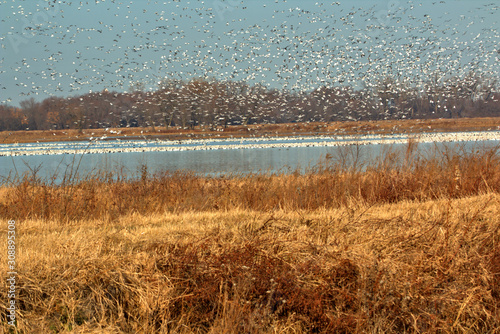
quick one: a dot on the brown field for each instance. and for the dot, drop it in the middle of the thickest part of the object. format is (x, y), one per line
(409, 245)
(332, 128)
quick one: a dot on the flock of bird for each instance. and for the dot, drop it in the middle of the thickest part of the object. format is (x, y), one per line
(131, 146)
(75, 47)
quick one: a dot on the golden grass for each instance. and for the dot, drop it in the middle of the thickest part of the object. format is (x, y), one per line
(405, 267)
(311, 128)
(408, 245)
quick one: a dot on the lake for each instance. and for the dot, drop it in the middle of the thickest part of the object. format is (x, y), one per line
(215, 157)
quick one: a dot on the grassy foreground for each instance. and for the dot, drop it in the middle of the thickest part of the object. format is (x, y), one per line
(405, 245)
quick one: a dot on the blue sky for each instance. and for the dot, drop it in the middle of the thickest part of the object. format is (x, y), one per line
(67, 48)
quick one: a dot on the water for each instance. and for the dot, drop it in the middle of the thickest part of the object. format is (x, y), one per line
(218, 161)
(213, 157)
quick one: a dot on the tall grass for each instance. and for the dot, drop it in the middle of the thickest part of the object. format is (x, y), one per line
(339, 180)
(406, 267)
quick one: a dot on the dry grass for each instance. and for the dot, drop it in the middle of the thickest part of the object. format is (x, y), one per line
(408, 245)
(312, 128)
(406, 267)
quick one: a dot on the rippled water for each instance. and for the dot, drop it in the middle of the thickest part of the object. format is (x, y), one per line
(205, 157)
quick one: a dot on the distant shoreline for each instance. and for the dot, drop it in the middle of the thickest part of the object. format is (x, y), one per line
(258, 130)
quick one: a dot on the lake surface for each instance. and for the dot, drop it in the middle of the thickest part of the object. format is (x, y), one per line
(215, 157)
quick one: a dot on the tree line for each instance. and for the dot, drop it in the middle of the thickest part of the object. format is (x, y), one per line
(212, 103)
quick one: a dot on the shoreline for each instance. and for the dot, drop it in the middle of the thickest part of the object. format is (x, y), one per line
(381, 127)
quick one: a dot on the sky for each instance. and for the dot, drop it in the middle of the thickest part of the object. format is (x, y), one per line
(67, 48)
